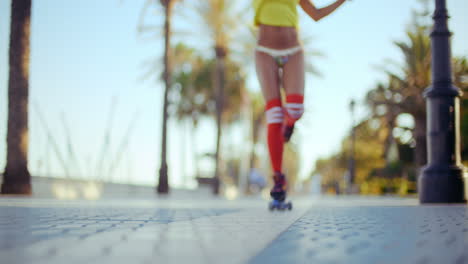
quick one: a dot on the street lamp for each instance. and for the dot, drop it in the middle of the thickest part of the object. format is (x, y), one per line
(441, 180)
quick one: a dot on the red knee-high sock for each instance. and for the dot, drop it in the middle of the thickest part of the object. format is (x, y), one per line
(294, 108)
(275, 119)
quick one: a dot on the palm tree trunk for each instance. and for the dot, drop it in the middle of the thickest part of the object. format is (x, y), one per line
(219, 84)
(163, 185)
(17, 179)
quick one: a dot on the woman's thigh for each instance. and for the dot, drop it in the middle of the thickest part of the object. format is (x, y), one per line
(293, 74)
(267, 72)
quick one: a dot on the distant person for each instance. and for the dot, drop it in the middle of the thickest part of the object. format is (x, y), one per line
(279, 62)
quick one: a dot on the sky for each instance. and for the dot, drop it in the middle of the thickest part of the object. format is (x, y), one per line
(88, 58)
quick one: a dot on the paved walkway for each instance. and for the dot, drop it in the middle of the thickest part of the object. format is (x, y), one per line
(326, 230)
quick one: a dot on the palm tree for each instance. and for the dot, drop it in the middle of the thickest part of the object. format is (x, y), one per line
(403, 93)
(195, 82)
(168, 6)
(417, 77)
(163, 185)
(218, 19)
(17, 179)
(219, 9)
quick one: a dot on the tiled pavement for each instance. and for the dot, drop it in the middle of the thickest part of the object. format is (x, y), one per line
(326, 230)
(419, 235)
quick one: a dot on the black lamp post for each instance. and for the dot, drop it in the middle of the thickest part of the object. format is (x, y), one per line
(441, 180)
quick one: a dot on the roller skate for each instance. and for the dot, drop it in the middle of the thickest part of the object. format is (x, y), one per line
(278, 193)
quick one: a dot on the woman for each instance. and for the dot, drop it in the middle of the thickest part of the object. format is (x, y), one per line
(280, 63)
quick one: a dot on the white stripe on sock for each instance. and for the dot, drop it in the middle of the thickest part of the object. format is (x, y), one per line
(274, 115)
(275, 121)
(294, 105)
(295, 110)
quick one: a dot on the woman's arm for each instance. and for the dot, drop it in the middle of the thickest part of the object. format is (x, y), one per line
(319, 13)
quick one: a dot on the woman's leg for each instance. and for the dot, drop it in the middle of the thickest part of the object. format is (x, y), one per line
(293, 83)
(267, 72)
(268, 75)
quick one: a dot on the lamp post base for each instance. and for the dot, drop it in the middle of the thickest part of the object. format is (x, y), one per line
(438, 184)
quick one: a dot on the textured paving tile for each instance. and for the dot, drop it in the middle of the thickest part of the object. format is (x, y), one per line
(330, 230)
(203, 232)
(371, 234)
(22, 226)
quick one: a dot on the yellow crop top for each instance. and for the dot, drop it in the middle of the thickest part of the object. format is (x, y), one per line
(281, 13)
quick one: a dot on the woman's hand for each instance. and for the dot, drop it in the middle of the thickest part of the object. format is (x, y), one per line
(319, 13)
